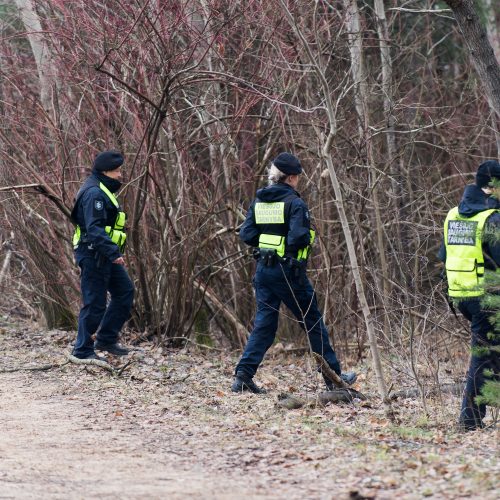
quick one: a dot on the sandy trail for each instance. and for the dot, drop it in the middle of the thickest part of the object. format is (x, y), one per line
(169, 428)
(55, 446)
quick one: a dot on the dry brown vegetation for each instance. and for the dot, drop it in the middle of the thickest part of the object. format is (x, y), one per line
(169, 427)
(382, 105)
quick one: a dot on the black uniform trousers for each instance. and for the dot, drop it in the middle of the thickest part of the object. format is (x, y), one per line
(98, 277)
(472, 414)
(273, 285)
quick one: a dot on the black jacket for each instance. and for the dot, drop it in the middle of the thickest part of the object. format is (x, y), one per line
(93, 211)
(474, 200)
(297, 221)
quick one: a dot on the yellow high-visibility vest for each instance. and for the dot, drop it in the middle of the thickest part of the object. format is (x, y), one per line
(463, 239)
(274, 213)
(116, 233)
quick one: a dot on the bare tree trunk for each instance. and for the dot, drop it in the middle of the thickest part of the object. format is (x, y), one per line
(482, 55)
(41, 52)
(8, 255)
(388, 104)
(494, 37)
(491, 26)
(326, 156)
(362, 106)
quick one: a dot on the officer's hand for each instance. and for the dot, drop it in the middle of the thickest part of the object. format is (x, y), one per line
(119, 260)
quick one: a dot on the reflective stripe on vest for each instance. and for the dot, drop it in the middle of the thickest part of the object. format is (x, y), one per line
(463, 239)
(274, 213)
(116, 233)
(273, 241)
(303, 253)
(270, 213)
(277, 242)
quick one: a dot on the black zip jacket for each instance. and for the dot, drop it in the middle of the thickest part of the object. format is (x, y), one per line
(93, 211)
(297, 220)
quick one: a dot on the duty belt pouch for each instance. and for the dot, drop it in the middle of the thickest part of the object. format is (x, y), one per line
(268, 256)
(100, 259)
(298, 269)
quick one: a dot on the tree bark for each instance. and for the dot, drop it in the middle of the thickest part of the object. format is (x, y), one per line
(492, 29)
(326, 156)
(491, 26)
(41, 52)
(362, 105)
(482, 54)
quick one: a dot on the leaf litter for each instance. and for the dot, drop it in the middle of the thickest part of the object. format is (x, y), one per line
(170, 425)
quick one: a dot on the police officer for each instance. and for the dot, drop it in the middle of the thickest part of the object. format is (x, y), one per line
(98, 241)
(277, 225)
(467, 252)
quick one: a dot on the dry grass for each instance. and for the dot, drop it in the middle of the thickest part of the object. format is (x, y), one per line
(171, 416)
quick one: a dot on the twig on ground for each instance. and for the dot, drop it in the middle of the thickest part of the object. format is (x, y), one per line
(196, 343)
(455, 389)
(328, 372)
(125, 366)
(101, 364)
(38, 368)
(182, 379)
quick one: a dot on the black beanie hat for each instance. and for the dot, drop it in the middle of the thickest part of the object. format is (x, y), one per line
(107, 160)
(486, 171)
(288, 164)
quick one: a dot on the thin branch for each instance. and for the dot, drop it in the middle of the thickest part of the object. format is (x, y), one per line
(46, 191)
(422, 11)
(34, 368)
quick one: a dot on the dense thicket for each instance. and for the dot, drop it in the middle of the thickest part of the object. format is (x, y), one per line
(200, 95)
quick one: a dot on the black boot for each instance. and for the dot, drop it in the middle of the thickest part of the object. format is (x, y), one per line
(348, 377)
(243, 382)
(469, 424)
(116, 348)
(92, 355)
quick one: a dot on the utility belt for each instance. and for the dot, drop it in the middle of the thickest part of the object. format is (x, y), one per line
(269, 257)
(271, 251)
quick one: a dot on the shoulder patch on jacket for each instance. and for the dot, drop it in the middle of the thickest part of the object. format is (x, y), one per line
(99, 208)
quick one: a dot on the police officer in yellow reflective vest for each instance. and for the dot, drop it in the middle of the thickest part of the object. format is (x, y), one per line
(99, 240)
(470, 248)
(277, 225)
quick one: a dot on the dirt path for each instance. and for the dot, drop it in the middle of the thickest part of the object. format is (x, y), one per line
(169, 428)
(54, 446)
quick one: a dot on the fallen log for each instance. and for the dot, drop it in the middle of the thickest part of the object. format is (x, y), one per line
(414, 392)
(347, 395)
(341, 395)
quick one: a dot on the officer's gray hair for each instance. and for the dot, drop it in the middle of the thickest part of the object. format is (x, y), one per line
(275, 175)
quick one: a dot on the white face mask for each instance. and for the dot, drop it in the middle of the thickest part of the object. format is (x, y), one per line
(495, 191)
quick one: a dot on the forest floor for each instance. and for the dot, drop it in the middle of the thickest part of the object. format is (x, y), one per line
(169, 427)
